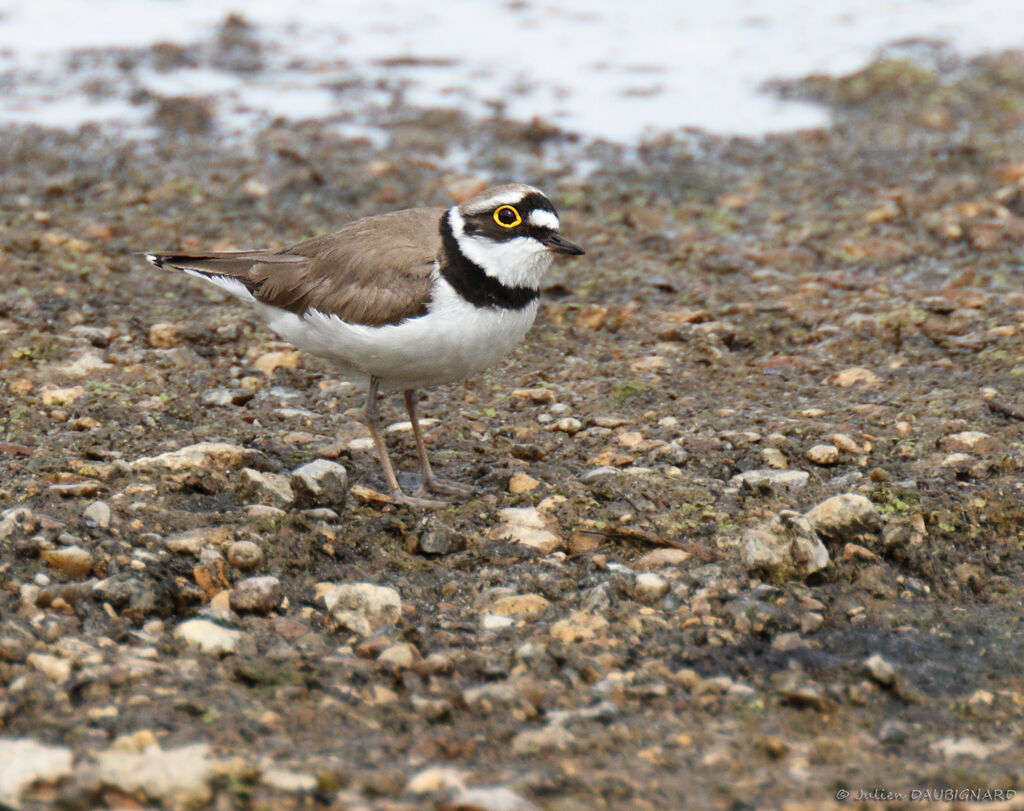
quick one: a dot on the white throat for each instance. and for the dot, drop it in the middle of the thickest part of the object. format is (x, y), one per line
(519, 262)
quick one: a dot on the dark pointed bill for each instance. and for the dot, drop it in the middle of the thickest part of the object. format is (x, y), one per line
(556, 243)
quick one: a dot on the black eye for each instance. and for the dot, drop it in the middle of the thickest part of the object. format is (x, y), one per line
(507, 217)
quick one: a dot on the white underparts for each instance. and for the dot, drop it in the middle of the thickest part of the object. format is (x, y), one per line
(453, 341)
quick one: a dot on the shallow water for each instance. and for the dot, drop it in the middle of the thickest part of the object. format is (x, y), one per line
(603, 69)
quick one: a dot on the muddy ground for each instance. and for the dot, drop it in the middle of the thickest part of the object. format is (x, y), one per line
(840, 308)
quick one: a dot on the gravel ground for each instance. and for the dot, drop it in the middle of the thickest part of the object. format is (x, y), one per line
(751, 508)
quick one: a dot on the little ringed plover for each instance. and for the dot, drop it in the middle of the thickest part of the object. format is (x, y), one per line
(403, 300)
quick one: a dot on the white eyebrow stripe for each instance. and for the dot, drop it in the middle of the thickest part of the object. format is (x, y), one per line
(539, 218)
(511, 197)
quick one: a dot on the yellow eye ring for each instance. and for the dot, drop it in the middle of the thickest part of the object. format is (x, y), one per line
(501, 215)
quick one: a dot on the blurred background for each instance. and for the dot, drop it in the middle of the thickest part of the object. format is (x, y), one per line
(607, 70)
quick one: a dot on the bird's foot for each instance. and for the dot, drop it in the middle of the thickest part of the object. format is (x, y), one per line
(417, 502)
(446, 487)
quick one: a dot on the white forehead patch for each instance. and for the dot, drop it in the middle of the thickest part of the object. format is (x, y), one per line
(509, 197)
(539, 218)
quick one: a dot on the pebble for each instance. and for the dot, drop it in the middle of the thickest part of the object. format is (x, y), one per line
(527, 526)
(72, 561)
(14, 519)
(398, 657)
(320, 482)
(272, 360)
(245, 555)
(823, 455)
(856, 376)
(657, 558)
(98, 513)
(880, 670)
(841, 517)
(176, 778)
(208, 636)
(362, 607)
(257, 595)
(552, 738)
(56, 669)
(492, 798)
(650, 586)
(163, 336)
(786, 544)
(522, 483)
(266, 488)
(845, 443)
(774, 458)
(222, 397)
(791, 480)
(567, 425)
(52, 396)
(24, 762)
(531, 605)
(495, 622)
(971, 442)
(289, 782)
(192, 541)
(435, 778)
(201, 456)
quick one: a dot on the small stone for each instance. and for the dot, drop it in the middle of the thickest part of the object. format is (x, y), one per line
(258, 595)
(784, 545)
(60, 397)
(657, 558)
(435, 779)
(363, 607)
(273, 360)
(823, 455)
(810, 622)
(289, 782)
(320, 482)
(791, 480)
(223, 397)
(552, 738)
(23, 762)
(975, 442)
(531, 605)
(192, 541)
(266, 488)
(245, 555)
(841, 517)
(880, 670)
(567, 425)
(774, 458)
(845, 443)
(527, 526)
(650, 586)
(208, 637)
(958, 460)
(98, 513)
(856, 376)
(202, 456)
(522, 483)
(175, 778)
(495, 622)
(57, 669)
(397, 657)
(893, 731)
(578, 626)
(163, 336)
(72, 561)
(490, 798)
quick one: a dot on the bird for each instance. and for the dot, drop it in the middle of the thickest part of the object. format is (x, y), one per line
(403, 300)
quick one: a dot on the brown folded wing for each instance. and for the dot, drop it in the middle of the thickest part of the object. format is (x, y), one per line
(374, 271)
